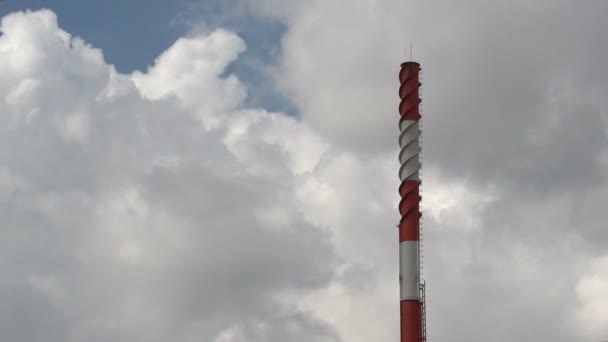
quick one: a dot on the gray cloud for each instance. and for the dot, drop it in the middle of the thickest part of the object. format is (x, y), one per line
(512, 111)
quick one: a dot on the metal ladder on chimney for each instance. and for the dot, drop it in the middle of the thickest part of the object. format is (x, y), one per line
(423, 301)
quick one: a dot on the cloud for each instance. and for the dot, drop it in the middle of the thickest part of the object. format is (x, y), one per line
(502, 87)
(592, 290)
(139, 207)
(514, 145)
(158, 206)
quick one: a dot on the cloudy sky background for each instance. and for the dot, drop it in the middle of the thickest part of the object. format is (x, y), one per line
(226, 171)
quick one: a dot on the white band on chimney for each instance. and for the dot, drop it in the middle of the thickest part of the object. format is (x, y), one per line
(409, 274)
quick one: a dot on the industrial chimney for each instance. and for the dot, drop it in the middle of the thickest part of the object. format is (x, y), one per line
(413, 326)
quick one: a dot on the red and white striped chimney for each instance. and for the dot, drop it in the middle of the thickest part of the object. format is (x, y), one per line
(412, 320)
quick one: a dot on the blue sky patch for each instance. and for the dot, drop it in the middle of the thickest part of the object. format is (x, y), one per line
(133, 33)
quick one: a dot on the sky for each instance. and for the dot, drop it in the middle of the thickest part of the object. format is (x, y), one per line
(226, 171)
